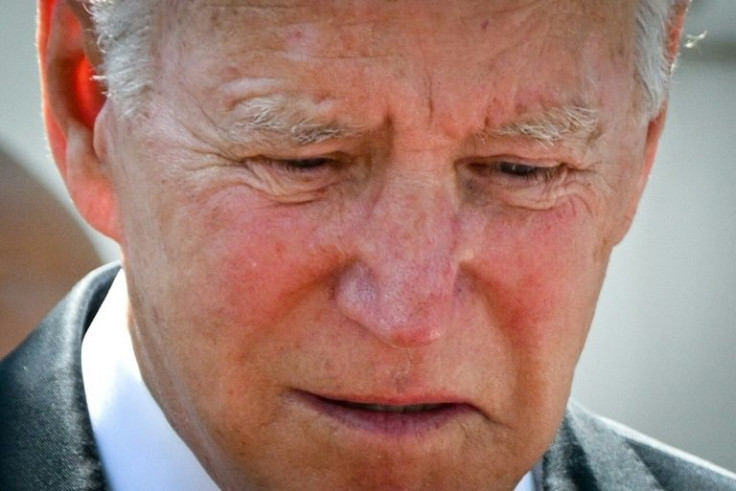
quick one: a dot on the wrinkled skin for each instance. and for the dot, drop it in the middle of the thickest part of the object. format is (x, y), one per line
(400, 262)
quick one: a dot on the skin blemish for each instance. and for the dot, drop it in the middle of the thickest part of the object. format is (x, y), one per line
(484, 24)
(301, 40)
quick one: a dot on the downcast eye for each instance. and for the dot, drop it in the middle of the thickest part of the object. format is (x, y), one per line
(305, 164)
(519, 170)
(513, 171)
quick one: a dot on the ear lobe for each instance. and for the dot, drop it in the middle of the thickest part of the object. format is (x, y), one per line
(72, 102)
(654, 131)
(88, 178)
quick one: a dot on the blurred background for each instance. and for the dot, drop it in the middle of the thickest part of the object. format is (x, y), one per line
(662, 354)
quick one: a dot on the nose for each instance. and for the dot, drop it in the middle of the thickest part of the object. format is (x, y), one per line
(401, 283)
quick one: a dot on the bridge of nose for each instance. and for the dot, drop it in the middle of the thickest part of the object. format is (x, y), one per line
(401, 283)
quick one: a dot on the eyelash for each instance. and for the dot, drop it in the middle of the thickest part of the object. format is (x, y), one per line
(528, 172)
(510, 172)
(299, 166)
(515, 171)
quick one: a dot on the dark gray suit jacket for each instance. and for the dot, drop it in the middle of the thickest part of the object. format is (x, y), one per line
(46, 438)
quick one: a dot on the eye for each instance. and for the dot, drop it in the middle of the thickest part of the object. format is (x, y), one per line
(293, 177)
(304, 165)
(516, 172)
(299, 170)
(294, 180)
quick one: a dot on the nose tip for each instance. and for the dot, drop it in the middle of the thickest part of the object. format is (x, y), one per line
(402, 308)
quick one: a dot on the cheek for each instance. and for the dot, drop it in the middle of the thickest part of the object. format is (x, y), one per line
(250, 262)
(221, 277)
(543, 280)
(542, 273)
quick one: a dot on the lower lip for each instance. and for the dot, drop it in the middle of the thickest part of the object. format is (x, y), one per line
(391, 424)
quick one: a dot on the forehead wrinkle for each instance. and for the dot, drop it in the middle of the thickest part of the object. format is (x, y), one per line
(552, 125)
(285, 119)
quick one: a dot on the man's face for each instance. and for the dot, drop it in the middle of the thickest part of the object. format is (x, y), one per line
(364, 240)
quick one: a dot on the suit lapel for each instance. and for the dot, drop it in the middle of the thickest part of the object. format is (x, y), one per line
(588, 455)
(46, 440)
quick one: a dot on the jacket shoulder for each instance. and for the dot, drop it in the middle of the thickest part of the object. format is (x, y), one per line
(46, 438)
(613, 456)
(673, 468)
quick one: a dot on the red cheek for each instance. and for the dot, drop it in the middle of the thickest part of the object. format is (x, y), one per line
(261, 262)
(541, 275)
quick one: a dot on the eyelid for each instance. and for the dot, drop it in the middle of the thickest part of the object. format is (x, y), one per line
(494, 165)
(494, 160)
(538, 163)
(292, 165)
(287, 183)
(486, 176)
(336, 157)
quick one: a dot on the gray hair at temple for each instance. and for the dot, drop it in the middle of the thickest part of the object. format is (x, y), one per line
(125, 32)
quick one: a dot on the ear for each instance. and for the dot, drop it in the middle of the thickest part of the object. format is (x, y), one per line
(651, 145)
(656, 125)
(72, 101)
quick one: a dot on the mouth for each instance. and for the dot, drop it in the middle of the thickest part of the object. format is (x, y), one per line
(383, 408)
(394, 420)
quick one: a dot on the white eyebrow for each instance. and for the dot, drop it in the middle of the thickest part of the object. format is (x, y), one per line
(299, 121)
(553, 125)
(280, 117)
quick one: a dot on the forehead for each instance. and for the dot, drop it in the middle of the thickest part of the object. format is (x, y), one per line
(517, 55)
(371, 27)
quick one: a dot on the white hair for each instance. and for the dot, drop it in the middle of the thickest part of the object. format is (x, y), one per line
(654, 62)
(126, 29)
(125, 32)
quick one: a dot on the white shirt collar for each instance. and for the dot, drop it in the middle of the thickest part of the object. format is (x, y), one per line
(138, 447)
